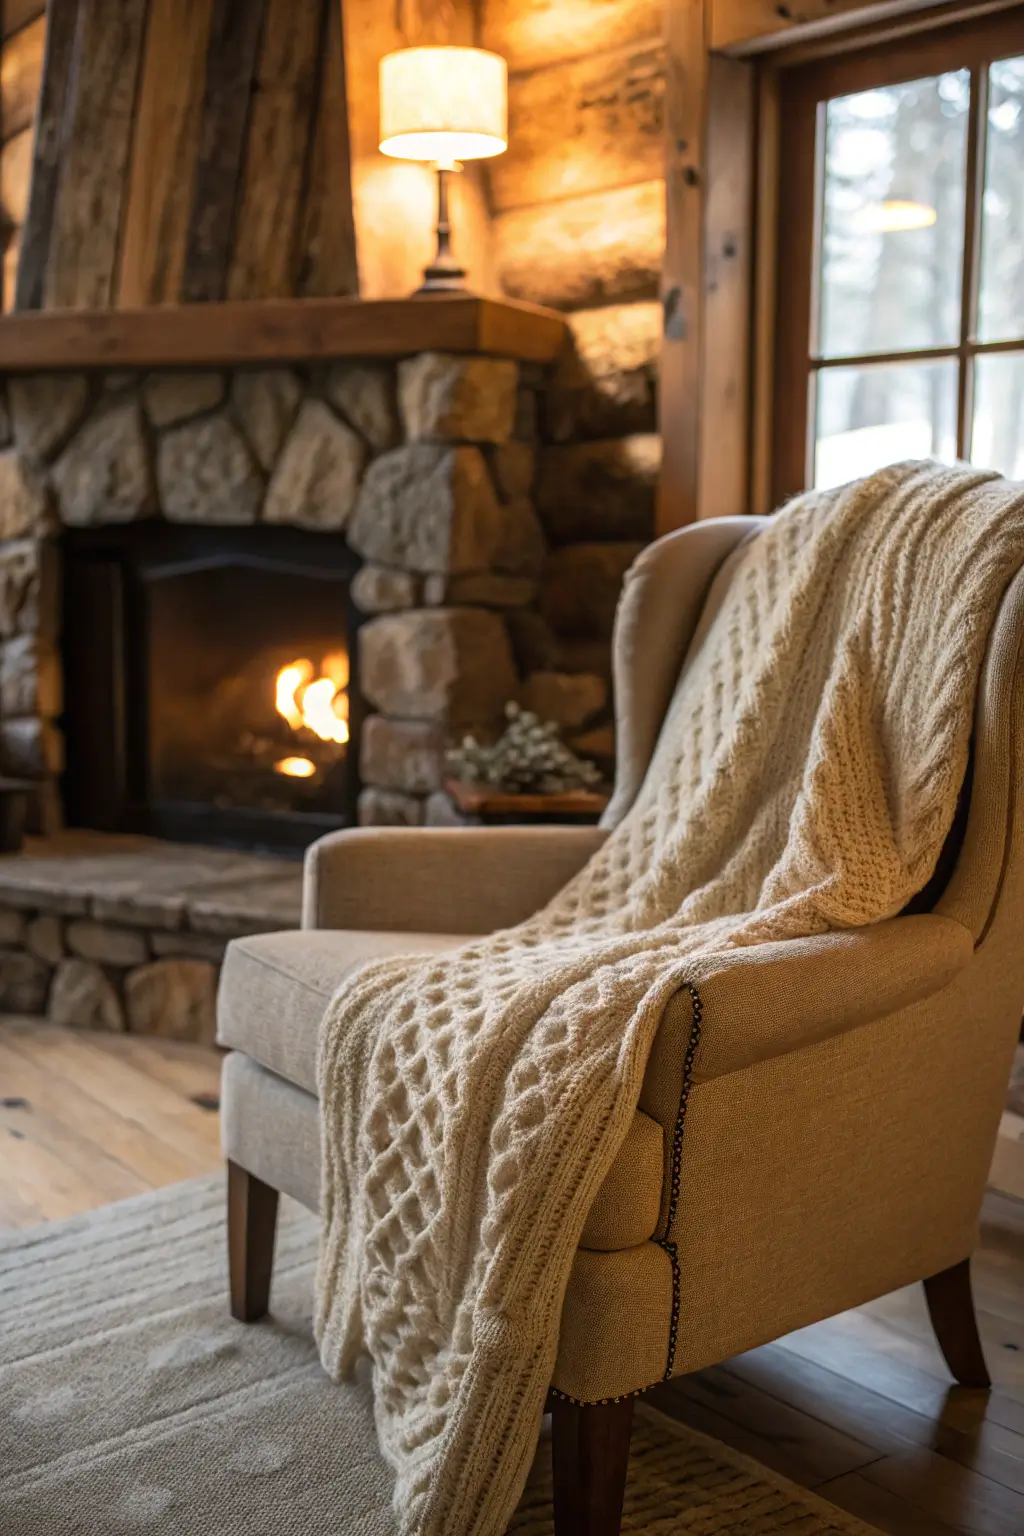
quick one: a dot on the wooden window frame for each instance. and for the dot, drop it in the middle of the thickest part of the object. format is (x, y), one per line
(803, 91)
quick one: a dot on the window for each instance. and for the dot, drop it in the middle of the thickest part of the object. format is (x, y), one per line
(900, 322)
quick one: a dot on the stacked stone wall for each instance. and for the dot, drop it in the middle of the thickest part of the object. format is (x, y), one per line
(495, 505)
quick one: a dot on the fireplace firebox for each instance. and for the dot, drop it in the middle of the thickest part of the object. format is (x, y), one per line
(209, 683)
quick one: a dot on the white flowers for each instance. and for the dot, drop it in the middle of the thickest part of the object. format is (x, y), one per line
(528, 758)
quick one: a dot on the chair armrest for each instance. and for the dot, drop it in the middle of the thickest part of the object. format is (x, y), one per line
(439, 879)
(770, 999)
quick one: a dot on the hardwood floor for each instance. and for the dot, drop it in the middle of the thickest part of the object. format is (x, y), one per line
(90, 1118)
(859, 1408)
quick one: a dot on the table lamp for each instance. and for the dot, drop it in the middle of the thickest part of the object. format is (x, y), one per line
(444, 106)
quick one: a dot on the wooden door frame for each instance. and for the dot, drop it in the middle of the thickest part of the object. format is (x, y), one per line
(805, 88)
(727, 61)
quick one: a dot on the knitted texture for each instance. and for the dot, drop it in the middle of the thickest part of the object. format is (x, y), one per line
(804, 780)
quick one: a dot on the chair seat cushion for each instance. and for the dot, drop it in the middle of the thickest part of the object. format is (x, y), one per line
(274, 989)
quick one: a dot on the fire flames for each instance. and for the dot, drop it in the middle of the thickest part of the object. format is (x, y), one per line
(313, 703)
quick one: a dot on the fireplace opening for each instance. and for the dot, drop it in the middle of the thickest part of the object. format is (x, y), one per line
(208, 683)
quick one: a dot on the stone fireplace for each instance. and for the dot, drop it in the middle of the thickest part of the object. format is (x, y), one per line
(207, 682)
(259, 565)
(248, 604)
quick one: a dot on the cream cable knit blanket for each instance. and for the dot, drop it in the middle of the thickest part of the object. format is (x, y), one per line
(805, 778)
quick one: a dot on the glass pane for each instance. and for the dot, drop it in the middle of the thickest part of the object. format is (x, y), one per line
(997, 441)
(882, 412)
(892, 239)
(1001, 297)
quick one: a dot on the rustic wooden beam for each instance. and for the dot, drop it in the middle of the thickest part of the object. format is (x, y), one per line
(763, 296)
(90, 195)
(583, 126)
(752, 26)
(213, 335)
(327, 265)
(279, 139)
(164, 152)
(723, 482)
(21, 72)
(230, 65)
(680, 378)
(883, 27)
(53, 122)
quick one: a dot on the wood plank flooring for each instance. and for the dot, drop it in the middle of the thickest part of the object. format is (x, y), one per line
(90, 1118)
(859, 1408)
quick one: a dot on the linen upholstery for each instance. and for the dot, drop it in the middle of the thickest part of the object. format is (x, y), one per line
(659, 611)
(765, 1001)
(275, 988)
(847, 1155)
(624, 1214)
(440, 879)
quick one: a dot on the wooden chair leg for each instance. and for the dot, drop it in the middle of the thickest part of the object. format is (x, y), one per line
(589, 1454)
(252, 1222)
(951, 1308)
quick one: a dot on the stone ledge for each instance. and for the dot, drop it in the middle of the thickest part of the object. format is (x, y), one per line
(145, 883)
(127, 933)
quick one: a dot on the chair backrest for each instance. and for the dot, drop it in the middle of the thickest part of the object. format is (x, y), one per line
(669, 598)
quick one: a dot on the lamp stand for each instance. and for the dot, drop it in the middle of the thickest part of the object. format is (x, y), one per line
(444, 275)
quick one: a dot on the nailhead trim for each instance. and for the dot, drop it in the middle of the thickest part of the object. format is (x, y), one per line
(675, 1187)
(675, 1172)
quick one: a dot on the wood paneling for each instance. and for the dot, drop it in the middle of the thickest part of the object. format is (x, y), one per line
(278, 145)
(52, 125)
(682, 280)
(278, 330)
(230, 66)
(90, 194)
(532, 33)
(327, 249)
(765, 234)
(21, 71)
(583, 127)
(188, 149)
(164, 152)
(723, 485)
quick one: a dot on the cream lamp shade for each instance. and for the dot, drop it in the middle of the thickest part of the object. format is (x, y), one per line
(443, 104)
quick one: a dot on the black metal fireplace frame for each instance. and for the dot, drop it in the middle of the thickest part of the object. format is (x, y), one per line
(105, 784)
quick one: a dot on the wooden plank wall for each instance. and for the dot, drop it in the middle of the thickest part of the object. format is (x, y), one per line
(158, 151)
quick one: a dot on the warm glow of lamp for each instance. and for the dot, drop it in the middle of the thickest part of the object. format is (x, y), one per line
(893, 215)
(444, 106)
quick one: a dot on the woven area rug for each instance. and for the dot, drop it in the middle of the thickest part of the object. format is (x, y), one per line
(131, 1402)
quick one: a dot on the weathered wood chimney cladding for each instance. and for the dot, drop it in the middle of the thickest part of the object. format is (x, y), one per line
(184, 150)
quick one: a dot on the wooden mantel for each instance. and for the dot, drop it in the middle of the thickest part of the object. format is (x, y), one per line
(284, 330)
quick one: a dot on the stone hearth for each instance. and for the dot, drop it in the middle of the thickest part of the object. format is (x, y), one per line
(128, 933)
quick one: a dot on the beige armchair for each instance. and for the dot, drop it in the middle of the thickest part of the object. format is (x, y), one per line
(844, 1091)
